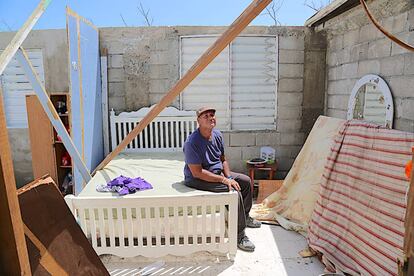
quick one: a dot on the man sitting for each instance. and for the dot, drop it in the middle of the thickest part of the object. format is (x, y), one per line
(207, 169)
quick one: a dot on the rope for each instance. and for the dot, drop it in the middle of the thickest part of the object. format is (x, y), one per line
(385, 32)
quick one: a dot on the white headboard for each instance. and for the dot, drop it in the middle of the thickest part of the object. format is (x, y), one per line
(166, 133)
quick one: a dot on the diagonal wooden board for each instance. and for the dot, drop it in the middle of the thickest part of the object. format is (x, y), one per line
(21, 35)
(14, 258)
(250, 13)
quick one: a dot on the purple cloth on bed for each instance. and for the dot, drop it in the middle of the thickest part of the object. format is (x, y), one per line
(126, 185)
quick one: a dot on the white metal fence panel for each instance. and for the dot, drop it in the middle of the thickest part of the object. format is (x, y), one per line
(16, 86)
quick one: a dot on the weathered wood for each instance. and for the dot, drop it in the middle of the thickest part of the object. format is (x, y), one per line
(105, 110)
(254, 9)
(52, 113)
(14, 259)
(21, 35)
(41, 140)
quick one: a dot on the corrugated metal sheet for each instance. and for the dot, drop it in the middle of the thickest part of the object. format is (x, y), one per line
(16, 86)
(241, 82)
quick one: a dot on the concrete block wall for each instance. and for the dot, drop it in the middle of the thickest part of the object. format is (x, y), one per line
(356, 48)
(144, 64)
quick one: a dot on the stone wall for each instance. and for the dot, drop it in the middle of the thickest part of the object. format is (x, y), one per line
(356, 48)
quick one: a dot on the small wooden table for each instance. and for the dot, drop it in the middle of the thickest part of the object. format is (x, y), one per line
(271, 168)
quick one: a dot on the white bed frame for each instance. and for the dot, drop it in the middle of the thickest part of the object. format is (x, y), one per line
(128, 227)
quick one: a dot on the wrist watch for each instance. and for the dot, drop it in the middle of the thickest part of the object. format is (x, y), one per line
(230, 177)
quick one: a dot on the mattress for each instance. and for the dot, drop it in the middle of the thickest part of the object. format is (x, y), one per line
(164, 171)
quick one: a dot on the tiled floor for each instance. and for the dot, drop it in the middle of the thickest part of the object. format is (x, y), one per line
(276, 254)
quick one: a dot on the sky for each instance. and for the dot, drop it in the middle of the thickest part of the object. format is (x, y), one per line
(107, 13)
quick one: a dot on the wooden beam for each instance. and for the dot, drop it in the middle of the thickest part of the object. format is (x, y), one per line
(14, 259)
(250, 13)
(21, 35)
(105, 111)
(52, 114)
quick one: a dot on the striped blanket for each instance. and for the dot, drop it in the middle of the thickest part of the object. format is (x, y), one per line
(358, 220)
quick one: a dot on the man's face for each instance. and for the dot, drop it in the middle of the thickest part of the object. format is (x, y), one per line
(207, 120)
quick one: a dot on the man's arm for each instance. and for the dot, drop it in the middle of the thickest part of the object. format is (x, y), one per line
(226, 166)
(198, 172)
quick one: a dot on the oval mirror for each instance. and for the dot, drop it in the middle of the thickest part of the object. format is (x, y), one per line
(371, 101)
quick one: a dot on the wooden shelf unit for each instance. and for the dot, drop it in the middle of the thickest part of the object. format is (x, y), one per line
(47, 148)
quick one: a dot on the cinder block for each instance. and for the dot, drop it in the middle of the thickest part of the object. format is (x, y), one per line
(116, 89)
(250, 152)
(290, 70)
(341, 56)
(289, 112)
(291, 43)
(242, 139)
(379, 48)
(401, 85)
(267, 139)
(335, 73)
(341, 87)
(226, 138)
(408, 109)
(368, 33)
(349, 70)
(398, 111)
(116, 75)
(159, 57)
(359, 52)
(337, 113)
(115, 61)
(159, 85)
(288, 125)
(351, 38)
(368, 67)
(159, 71)
(290, 85)
(404, 125)
(291, 139)
(394, 66)
(233, 153)
(336, 42)
(117, 103)
(162, 45)
(400, 23)
(291, 56)
(338, 102)
(238, 165)
(407, 37)
(289, 99)
(408, 61)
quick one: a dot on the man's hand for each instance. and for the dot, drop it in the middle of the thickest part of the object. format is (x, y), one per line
(231, 183)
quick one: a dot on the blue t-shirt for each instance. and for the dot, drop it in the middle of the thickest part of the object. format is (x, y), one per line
(201, 151)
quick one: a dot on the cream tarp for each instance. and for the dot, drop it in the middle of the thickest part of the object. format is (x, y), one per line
(293, 203)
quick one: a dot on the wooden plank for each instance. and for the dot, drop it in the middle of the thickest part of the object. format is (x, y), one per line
(21, 35)
(41, 140)
(14, 259)
(105, 111)
(250, 13)
(52, 114)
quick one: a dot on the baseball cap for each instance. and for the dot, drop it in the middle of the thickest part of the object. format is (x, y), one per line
(204, 109)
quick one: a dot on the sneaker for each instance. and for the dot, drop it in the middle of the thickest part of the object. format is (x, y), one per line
(245, 244)
(252, 223)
